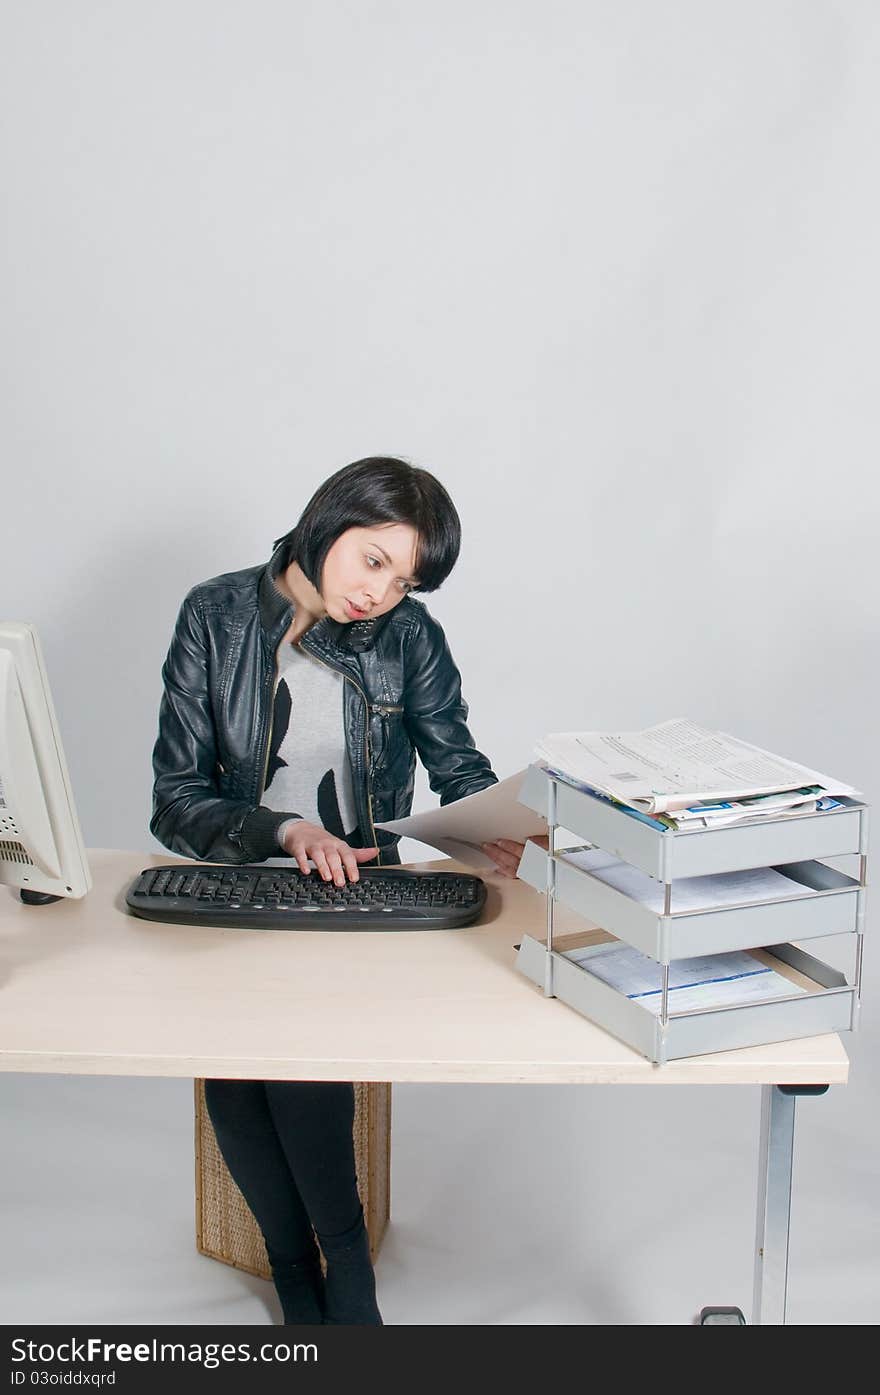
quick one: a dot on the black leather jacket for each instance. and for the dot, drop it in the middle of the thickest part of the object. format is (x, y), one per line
(403, 696)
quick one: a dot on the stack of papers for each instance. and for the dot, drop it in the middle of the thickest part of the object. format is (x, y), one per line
(686, 776)
(757, 806)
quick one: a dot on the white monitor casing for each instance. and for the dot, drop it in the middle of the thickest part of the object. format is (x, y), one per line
(41, 846)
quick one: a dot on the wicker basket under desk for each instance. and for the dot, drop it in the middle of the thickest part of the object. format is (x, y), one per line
(225, 1226)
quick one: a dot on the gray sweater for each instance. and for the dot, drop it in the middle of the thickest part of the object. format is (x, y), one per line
(309, 774)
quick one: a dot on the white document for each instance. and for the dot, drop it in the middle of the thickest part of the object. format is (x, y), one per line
(591, 859)
(458, 829)
(704, 982)
(689, 893)
(676, 764)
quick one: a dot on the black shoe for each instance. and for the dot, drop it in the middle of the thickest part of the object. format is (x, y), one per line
(300, 1287)
(350, 1283)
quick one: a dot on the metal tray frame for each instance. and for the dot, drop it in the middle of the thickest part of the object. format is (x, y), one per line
(831, 1007)
(793, 845)
(667, 854)
(836, 907)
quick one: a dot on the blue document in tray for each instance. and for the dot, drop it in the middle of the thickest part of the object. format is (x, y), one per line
(704, 982)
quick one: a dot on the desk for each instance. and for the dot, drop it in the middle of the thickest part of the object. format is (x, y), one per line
(89, 989)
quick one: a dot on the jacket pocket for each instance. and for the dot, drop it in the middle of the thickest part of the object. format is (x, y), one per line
(386, 733)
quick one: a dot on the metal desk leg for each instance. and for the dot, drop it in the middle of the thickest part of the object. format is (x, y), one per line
(774, 1200)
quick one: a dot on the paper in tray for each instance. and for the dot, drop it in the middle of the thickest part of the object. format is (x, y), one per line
(688, 893)
(703, 982)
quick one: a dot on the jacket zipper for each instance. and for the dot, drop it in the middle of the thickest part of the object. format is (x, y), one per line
(268, 735)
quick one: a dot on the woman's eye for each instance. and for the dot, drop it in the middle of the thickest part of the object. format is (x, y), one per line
(373, 561)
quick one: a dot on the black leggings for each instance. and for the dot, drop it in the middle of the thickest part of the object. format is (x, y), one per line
(289, 1148)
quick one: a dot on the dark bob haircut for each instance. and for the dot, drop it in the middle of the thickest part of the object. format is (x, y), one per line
(379, 489)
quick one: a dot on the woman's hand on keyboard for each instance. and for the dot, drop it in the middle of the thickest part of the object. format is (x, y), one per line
(333, 858)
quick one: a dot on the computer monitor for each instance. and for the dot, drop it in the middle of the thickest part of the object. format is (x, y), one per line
(41, 846)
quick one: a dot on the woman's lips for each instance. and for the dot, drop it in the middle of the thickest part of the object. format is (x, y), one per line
(354, 612)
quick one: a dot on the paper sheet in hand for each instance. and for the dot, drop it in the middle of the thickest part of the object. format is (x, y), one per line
(458, 829)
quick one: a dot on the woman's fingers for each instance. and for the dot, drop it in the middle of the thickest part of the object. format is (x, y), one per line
(320, 861)
(349, 862)
(334, 862)
(297, 850)
(296, 846)
(505, 853)
(333, 859)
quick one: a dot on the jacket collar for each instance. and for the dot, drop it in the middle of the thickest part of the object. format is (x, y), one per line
(276, 611)
(326, 637)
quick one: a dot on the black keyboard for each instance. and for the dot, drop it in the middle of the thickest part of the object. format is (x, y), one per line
(282, 898)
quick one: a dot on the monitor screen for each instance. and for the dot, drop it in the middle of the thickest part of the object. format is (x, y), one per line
(41, 847)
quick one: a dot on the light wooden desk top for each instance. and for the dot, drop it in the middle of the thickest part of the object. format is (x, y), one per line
(88, 989)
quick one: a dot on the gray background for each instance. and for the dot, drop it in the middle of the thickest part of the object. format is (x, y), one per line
(608, 269)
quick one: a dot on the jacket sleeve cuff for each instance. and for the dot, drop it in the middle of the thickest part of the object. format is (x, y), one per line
(283, 827)
(259, 833)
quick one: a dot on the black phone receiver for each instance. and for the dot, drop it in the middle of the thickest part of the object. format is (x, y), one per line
(361, 635)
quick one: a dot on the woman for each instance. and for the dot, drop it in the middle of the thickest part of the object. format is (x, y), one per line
(297, 695)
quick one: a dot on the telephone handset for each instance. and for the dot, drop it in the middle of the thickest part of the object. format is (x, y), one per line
(361, 635)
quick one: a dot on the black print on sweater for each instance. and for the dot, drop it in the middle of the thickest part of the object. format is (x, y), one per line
(280, 723)
(328, 806)
(327, 798)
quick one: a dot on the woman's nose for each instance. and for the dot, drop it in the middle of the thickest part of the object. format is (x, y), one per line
(374, 590)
